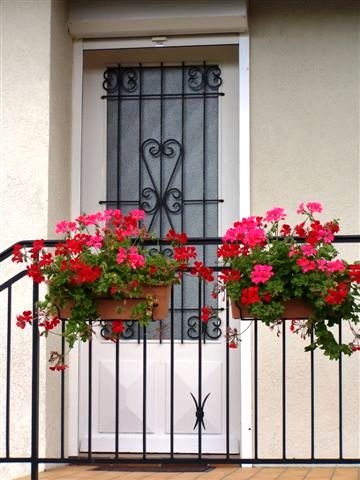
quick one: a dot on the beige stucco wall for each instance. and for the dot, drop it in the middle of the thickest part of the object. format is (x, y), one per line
(58, 180)
(36, 63)
(304, 88)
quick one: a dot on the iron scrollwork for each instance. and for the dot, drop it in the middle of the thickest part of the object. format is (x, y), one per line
(120, 78)
(129, 79)
(153, 198)
(211, 329)
(111, 80)
(199, 411)
(150, 200)
(127, 334)
(201, 77)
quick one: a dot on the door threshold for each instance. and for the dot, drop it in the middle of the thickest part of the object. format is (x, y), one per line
(157, 467)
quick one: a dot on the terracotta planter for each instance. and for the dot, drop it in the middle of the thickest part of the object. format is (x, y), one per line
(295, 309)
(107, 307)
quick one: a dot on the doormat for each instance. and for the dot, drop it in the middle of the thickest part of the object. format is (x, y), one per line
(161, 467)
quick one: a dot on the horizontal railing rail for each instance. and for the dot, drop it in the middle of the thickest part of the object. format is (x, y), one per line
(191, 241)
(199, 343)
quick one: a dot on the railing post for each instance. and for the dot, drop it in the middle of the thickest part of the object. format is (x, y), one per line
(35, 389)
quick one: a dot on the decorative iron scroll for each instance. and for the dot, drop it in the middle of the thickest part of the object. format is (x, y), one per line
(162, 157)
(198, 78)
(211, 329)
(199, 411)
(202, 77)
(156, 198)
(123, 78)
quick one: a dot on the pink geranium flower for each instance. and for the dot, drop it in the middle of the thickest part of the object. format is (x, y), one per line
(314, 207)
(275, 215)
(293, 251)
(305, 264)
(322, 264)
(137, 214)
(248, 232)
(129, 231)
(91, 219)
(95, 241)
(135, 259)
(335, 266)
(121, 255)
(308, 250)
(62, 227)
(301, 208)
(261, 273)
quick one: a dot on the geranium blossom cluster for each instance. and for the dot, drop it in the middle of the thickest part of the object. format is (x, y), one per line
(101, 255)
(268, 265)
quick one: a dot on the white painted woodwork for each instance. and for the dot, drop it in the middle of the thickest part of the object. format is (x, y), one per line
(93, 181)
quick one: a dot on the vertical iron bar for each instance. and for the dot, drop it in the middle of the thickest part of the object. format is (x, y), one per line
(172, 375)
(161, 160)
(35, 388)
(62, 393)
(204, 177)
(200, 372)
(140, 156)
(117, 377)
(161, 141)
(8, 372)
(227, 383)
(312, 404)
(118, 159)
(144, 392)
(284, 389)
(256, 389)
(90, 396)
(140, 133)
(182, 182)
(340, 397)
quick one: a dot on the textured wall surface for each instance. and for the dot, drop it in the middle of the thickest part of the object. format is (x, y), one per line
(36, 62)
(58, 180)
(304, 68)
(24, 180)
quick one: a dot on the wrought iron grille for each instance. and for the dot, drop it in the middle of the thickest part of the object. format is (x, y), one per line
(162, 157)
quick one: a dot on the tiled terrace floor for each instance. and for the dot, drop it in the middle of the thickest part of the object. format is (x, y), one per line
(219, 473)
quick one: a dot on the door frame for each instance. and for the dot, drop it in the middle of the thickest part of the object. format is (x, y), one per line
(79, 47)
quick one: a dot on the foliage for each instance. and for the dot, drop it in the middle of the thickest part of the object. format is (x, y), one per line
(102, 255)
(268, 267)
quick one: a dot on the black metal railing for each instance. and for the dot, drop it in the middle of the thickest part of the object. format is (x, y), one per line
(281, 427)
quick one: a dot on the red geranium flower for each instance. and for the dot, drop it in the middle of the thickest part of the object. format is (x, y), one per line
(205, 314)
(18, 256)
(206, 273)
(336, 296)
(172, 236)
(250, 295)
(23, 319)
(354, 273)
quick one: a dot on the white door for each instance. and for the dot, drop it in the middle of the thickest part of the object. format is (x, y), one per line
(160, 133)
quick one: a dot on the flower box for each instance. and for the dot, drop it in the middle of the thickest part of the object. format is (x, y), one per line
(295, 309)
(107, 307)
(102, 269)
(267, 262)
